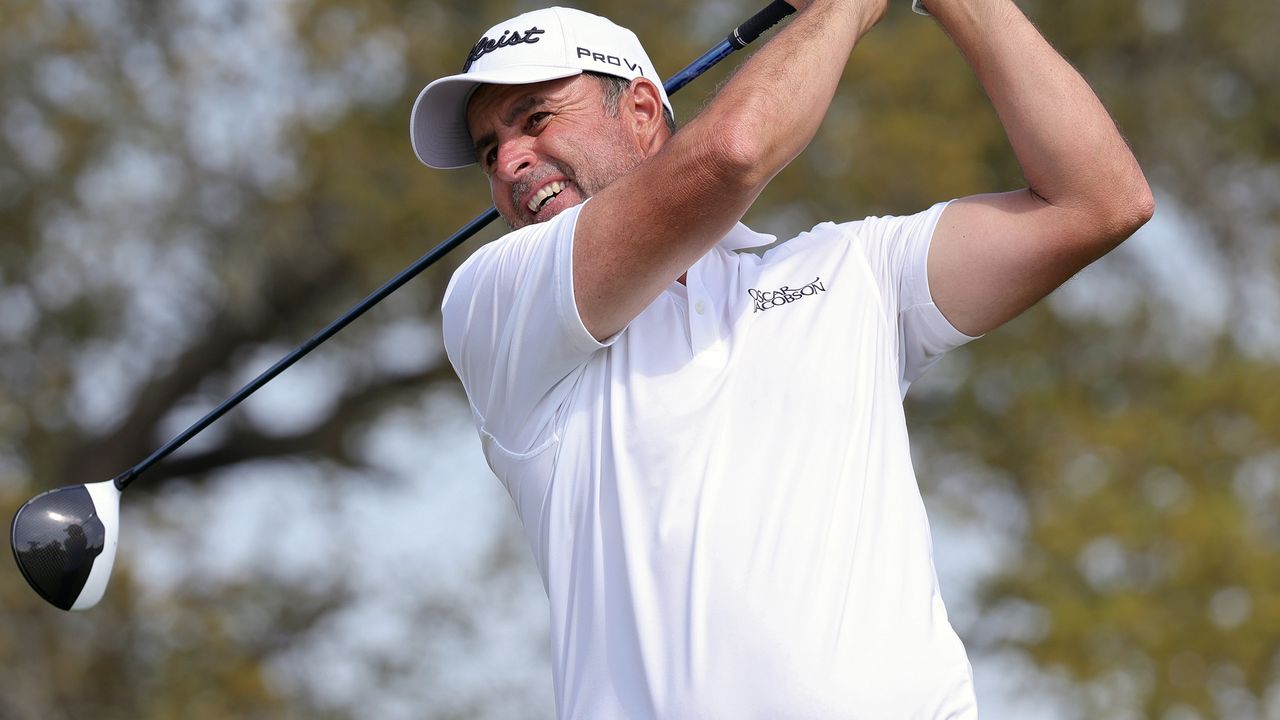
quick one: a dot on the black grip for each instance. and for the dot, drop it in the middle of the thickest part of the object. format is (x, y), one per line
(747, 32)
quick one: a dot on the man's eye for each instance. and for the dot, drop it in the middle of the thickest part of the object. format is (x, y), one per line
(491, 157)
(536, 118)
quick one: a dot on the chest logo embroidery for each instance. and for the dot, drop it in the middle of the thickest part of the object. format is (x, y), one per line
(769, 299)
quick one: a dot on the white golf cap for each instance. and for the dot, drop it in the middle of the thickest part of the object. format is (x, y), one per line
(534, 47)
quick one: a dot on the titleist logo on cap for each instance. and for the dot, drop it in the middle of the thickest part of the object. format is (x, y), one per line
(487, 45)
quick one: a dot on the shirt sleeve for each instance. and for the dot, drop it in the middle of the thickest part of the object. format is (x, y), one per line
(513, 333)
(897, 248)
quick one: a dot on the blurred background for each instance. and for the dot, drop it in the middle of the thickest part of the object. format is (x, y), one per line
(190, 188)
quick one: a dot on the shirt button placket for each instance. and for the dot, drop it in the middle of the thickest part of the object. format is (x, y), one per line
(703, 330)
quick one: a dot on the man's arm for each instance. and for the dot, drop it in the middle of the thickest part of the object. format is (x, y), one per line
(646, 229)
(993, 256)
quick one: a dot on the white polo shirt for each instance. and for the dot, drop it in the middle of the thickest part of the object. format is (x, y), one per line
(720, 499)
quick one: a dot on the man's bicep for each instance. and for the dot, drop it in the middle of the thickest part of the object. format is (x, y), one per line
(993, 256)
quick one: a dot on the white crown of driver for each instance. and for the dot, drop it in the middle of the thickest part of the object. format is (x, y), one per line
(534, 47)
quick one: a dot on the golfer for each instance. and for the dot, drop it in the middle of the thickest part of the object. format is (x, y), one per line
(707, 447)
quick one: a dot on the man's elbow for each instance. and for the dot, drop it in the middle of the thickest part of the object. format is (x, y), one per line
(734, 151)
(1134, 209)
(737, 159)
(1140, 206)
(1125, 208)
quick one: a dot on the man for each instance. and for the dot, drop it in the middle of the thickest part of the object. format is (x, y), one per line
(707, 448)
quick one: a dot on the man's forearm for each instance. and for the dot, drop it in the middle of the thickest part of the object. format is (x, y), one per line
(651, 225)
(1070, 150)
(776, 100)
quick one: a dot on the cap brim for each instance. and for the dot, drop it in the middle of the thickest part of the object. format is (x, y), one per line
(438, 123)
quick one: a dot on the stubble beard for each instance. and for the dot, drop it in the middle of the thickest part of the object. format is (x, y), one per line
(590, 182)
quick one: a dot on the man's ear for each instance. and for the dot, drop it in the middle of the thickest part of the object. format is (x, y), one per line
(647, 113)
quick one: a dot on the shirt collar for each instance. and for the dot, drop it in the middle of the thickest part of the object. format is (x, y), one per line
(742, 237)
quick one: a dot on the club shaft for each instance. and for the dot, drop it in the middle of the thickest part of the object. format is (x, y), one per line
(741, 36)
(471, 228)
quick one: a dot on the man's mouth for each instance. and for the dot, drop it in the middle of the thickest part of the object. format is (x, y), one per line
(544, 196)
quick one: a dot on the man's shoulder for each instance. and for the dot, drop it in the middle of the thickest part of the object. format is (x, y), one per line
(520, 241)
(873, 233)
(507, 258)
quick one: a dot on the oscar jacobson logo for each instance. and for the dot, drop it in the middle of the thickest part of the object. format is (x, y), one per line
(769, 299)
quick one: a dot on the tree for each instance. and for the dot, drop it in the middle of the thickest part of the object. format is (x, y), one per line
(188, 190)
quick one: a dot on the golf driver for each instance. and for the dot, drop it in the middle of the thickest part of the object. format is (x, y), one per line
(64, 540)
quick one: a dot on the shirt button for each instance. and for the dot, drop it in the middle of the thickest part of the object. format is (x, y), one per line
(700, 307)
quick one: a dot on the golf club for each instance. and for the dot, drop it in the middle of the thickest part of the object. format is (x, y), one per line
(64, 540)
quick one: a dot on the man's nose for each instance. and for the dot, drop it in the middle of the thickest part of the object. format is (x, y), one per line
(515, 157)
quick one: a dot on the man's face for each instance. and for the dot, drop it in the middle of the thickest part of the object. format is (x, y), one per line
(549, 146)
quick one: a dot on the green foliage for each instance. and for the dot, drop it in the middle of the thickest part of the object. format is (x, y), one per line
(1147, 532)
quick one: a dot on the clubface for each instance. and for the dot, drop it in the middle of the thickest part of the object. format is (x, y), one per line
(65, 543)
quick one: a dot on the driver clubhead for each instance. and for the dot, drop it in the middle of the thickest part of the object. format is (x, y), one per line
(65, 543)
